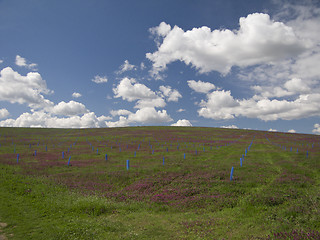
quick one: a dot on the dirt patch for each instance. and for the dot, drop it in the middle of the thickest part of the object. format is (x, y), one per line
(2, 235)
(3, 225)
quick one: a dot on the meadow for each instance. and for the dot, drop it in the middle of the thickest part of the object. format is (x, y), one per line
(158, 183)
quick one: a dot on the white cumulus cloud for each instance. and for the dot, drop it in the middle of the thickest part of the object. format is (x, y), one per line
(162, 30)
(120, 112)
(47, 120)
(146, 115)
(149, 115)
(296, 85)
(258, 40)
(182, 123)
(156, 102)
(128, 89)
(273, 130)
(221, 104)
(98, 79)
(172, 94)
(69, 109)
(316, 129)
(28, 89)
(126, 66)
(230, 127)
(299, 75)
(22, 62)
(201, 87)
(76, 95)
(4, 113)
(292, 131)
(122, 122)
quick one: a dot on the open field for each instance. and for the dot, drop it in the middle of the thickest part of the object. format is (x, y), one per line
(61, 186)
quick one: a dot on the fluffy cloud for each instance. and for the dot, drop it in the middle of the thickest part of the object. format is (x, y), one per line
(292, 131)
(182, 123)
(28, 89)
(69, 109)
(149, 115)
(123, 122)
(126, 66)
(76, 95)
(120, 112)
(181, 110)
(146, 115)
(296, 85)
(171, 94)
(47, 120)
(201, 87)
(128, 89)
(4, 113)
(258, 40)
(218, 106)
(222, 105)
(98, 79)
(162, 30)
(22, 62)
(273, 130)
(35, 119)
(156, 102)
(316, 129)
(291, 87)
(297, 75)
(230, 126)
(146, 102)
(88, 120)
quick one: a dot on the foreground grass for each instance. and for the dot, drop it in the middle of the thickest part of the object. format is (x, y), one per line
(35, 208)
(276, 191)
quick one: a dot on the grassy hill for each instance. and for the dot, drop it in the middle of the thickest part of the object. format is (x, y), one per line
(77, 184)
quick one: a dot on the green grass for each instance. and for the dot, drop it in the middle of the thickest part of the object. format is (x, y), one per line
(35, 208)
(276, 190)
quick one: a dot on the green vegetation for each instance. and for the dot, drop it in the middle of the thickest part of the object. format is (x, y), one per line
(274, 195)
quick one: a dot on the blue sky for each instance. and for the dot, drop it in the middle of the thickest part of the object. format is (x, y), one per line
(239, 64)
